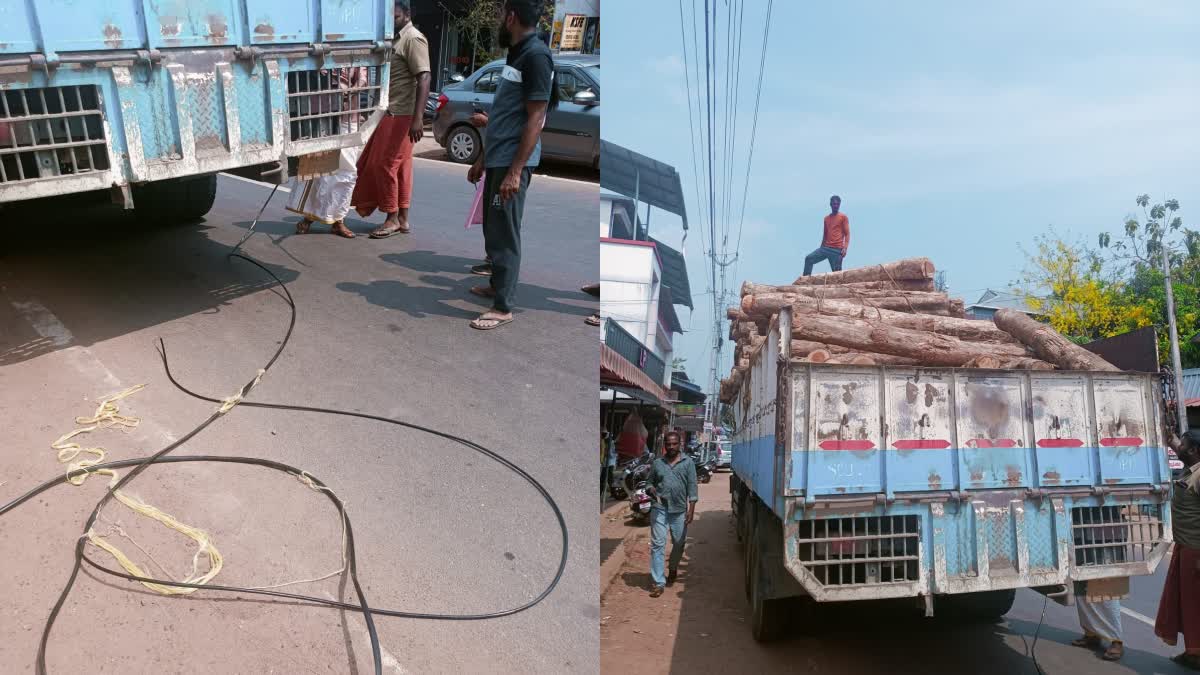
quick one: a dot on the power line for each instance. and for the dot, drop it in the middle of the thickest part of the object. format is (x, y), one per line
(691, 124)
(762, 63)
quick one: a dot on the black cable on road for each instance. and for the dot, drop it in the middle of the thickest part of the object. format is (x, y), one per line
(141, 464)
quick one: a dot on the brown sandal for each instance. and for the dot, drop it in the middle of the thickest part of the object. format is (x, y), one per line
(302, 226)
(593, 320)
(340, 229)
(1114, 652)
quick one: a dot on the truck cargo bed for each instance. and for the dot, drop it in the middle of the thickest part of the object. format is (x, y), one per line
(911, 481)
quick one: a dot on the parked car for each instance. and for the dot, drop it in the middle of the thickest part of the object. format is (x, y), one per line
(572, 131)
(431, 107)
(724, 455)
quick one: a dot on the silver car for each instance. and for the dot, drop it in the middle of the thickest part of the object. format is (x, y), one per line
(572, 131)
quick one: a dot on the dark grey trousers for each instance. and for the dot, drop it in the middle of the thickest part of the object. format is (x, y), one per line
(502, 235)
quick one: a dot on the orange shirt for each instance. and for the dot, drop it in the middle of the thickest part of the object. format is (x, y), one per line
(837, 232)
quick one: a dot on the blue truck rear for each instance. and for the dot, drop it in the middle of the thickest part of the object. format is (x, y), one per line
(160, 95)
(950, 486)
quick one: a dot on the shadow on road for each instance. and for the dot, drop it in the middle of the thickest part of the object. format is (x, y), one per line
(442, 288)
(105, 273)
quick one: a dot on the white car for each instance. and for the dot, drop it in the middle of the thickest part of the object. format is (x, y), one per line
(724, 455)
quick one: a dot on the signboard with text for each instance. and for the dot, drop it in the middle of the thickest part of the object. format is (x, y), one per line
(574, 26)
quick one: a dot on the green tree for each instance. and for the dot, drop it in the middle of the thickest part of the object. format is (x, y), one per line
(1074, 290)
(1138, 256)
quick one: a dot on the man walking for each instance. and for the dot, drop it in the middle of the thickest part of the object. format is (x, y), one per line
(835, 242)
(673, 482)
(1179, 607)
(385, 168)
(512, 147)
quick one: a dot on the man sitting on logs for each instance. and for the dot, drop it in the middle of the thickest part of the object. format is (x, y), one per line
(835, 241)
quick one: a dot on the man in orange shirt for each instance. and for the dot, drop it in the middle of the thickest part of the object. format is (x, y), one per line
(835, 242)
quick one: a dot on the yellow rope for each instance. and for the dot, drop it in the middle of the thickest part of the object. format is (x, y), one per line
(108, 415)
(229, 402)
(303, 477)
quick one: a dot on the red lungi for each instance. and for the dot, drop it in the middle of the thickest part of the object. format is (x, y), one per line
(385, 168)
(1179, 607)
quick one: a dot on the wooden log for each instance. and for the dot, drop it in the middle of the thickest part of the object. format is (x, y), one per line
(922, 285)
(845, 291)
(802, 348)
(926, 348)
(819, 356)
(766, 304)
(736, 314)
(909, 268)
(1047, 344)
(998, 363)
(865, 359)
(966, 329)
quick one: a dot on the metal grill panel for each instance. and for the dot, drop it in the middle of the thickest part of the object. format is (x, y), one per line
(862, 551)
(331, 101)
(51, 131)
(1111, 535)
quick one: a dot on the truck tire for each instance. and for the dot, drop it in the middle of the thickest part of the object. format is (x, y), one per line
(180, 200)
(748, 557)
(768, 617)
(982, 607)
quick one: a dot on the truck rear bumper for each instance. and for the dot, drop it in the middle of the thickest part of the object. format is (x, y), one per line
(81, 127)
(839, 550)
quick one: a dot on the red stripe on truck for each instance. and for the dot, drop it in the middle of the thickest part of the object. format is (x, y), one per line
(1060, 443)
(921, 444)
(1122, 442)
(846, 445)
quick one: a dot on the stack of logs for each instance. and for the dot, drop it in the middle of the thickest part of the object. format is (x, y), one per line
(891, 315)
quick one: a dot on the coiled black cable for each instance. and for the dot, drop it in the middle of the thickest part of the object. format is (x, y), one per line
(160, 457)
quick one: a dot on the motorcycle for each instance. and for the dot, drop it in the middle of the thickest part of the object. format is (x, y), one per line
(640, 503)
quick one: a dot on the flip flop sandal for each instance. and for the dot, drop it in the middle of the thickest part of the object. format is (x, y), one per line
(1114, 652)
(302, 226)
(483, 292)
(384, 234)
(593, 320)
(498, 322)
(484, 270)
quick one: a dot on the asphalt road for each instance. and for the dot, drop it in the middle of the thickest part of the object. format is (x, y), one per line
(382, 327)
(701, 624)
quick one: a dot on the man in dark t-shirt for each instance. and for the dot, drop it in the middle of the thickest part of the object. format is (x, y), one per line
(512, 147)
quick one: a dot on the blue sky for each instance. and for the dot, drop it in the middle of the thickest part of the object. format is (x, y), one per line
(951, 130)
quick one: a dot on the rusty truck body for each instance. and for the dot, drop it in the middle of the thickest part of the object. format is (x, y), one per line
(148, 100)
(954, 487)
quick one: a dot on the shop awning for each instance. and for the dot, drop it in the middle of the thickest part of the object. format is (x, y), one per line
(616, 371)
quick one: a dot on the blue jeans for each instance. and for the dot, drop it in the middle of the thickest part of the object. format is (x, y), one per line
(660, 523)
(833, 255)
